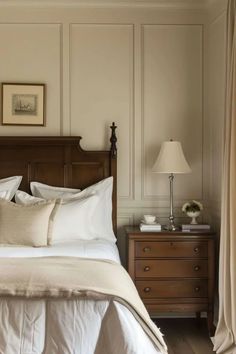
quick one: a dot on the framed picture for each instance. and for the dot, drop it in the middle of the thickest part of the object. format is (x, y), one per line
(23, 104)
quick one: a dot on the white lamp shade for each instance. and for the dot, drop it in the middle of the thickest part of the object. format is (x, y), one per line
(171, 159)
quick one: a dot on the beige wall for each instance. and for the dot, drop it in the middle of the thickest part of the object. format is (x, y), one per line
(140, 67)
(214, 111)
(215, 39)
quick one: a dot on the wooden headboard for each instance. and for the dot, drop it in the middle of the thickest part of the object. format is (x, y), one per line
(58, 161)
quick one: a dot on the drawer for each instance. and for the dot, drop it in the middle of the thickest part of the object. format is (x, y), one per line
(171, 249)
(171, 268)
(172, 288)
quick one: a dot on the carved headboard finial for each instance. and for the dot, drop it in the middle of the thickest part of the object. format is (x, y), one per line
(113, 141)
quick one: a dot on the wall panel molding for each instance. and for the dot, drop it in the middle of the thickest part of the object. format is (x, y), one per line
(166, 117)
(173, 4)
(65, 67)
(27, 58)
(97, 93)
(216, 103)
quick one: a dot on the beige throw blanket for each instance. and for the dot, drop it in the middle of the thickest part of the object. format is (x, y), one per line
(71, 277)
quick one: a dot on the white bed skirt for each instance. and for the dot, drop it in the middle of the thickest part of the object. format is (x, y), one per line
(70, 327)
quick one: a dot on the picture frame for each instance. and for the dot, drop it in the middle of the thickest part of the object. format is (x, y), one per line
(23, 104)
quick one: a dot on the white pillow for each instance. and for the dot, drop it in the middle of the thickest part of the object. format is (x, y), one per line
(45, 191)
(102, 216)
(24, 198)
(29, 225)
(74, 218)
(102, 219)
(9, 186)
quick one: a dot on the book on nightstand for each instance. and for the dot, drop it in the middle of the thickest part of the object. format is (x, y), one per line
(188, 227)
(150, 227)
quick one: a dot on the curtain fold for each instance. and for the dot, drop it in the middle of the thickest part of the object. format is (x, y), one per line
(225, 336)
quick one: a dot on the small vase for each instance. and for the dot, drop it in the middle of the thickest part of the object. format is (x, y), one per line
(193, 215)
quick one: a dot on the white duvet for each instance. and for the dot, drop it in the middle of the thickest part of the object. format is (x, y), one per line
(69, 326)
(101, 249)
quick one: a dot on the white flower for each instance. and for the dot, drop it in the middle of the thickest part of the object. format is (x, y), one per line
(185, 206)
(192, 206)
(199, 204)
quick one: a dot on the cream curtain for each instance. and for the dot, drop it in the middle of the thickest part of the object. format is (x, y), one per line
(225, 336)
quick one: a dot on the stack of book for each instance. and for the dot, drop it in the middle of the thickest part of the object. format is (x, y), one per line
(189, 227)
(150, 227)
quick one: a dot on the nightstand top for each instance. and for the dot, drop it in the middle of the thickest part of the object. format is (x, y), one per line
(135, 232)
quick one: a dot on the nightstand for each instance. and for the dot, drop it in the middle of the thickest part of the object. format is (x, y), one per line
(173, 271)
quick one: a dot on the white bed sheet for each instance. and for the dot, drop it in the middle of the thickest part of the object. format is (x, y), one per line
(101, 249)
(48, 326)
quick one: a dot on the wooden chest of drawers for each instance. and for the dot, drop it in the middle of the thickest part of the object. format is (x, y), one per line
(173, 271)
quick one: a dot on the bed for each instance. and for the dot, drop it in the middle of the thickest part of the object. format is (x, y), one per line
(36, 314)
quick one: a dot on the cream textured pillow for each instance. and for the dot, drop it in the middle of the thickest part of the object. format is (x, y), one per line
(29, 225)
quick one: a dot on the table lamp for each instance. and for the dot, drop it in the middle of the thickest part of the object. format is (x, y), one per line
(171, 160)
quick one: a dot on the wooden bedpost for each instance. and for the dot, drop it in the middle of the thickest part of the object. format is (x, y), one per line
(113, 140)
(113, 172)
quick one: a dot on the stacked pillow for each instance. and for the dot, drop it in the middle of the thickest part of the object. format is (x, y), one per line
(9, 186)
(45, 191)
(19, 225)
(82, 215)
(55, 214)
(29, 225)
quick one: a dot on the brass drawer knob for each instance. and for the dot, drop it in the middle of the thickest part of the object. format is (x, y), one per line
(147, 289)
(196, 268)
(146, 269)
(197, 289)
(196, 249)
(147, 249)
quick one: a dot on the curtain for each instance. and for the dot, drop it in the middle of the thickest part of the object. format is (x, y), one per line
(225, 336)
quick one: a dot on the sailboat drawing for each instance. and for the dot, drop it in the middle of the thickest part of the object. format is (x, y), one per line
(25, 104)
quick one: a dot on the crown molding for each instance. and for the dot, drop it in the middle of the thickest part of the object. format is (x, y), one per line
(164, 4)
